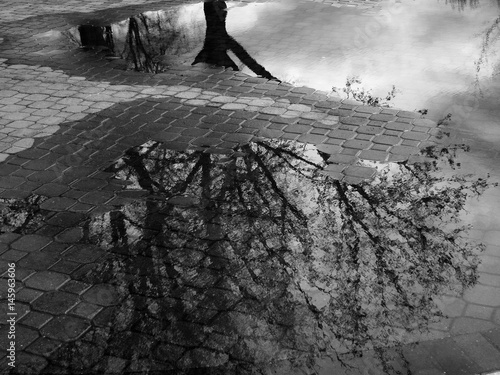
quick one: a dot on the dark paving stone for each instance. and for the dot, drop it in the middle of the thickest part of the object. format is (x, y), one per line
(358, 121)
(10, 182)
(44, 346)
(450, 357)
(360, 172)
(83, 253)
(65, 328)
(356, 144)
(102, 295)
(46, 280)
(66, 219)
(28, 295)
(58, 204)
(51, 189)
(31, 242)
(24, 337)
(55, 302)
(36, 319)
(38, 260)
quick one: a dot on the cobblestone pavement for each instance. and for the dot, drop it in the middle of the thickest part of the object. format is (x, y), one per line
(66, 114)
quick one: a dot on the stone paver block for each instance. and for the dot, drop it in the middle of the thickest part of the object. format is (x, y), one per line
(31, 242)
(374, 155)
(342, 159)
(450, 357)
(71, 235)
(24, 337)
(9, 182)
(44, 346)
(52, 189)
(86, 310)
(89, 184)
(65, 328)
(238, 137)
(66, 219)
(424, 122)
(329, 149)
(297, 129)
(29, 364)
(356, 144)
(415, 136)
(57, 204)
(479, 350)
(55, 302)
(360, 172)
(46, 280)
(83, 253)
(312, 138)
(357, 121)
(342, 134)
(28, 295)
(398, 126)
(470, 325)
(386, 140)
(404, 150)
(367, 109)
(483, 295)
(383, 117)
(256, 124)
(273, 110)
(13, 255)
(408, 114)
(369, 130)
(492, 237)
(36, 319)
(102, 295)
(74, 286)
(38, 260)
(493, 337)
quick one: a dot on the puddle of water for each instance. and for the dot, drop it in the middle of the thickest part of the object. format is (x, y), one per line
(430, 50)
(256, 258)
(151, 41)
(21, 215)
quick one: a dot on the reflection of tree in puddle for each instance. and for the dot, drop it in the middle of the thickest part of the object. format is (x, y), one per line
(154, 41)
(21, 215)
(243, 261)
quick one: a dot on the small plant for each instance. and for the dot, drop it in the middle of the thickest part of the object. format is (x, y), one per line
(363, 95)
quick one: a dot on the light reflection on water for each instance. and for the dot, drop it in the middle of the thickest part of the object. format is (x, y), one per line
(427, 49)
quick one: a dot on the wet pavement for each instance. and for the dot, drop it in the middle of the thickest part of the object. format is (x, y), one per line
(86, 234)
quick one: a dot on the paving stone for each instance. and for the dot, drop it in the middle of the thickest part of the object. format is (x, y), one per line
(374, 155)
(36, 319)
(83, 253)
(312, 138)
(356, 144)
(38, 260)
(357, 121)
(70, 235)
(29, 364)
(9, 182)
(65, 219)
(450, 357)
(74, 286)
(360, 172)
(404, 150)
(483, 295)
(342, 134)
(28, 295)
(238, 137)
(31, 243)
(12, 255)
(65, 328)
(55, 302)
(24, 336)
(52, 189)
(57, 204)
(102, 295)
(44, 346)
(86, 310)
(46, 280)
